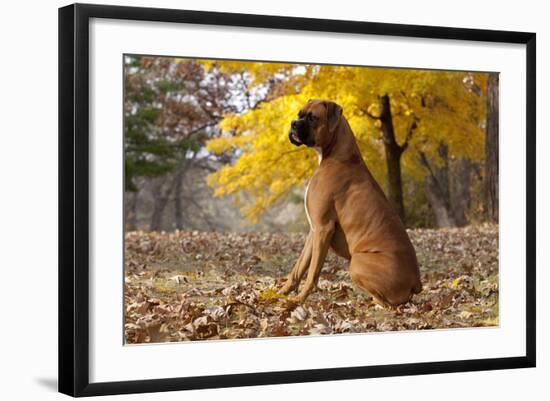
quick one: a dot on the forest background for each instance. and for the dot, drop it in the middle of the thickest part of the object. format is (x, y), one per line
(206, 142)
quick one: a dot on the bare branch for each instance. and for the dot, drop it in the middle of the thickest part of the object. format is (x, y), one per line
(413, 125)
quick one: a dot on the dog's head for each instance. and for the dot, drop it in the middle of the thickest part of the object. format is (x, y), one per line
(316, 124)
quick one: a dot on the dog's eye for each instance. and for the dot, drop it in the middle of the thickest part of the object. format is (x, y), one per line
(311, 118)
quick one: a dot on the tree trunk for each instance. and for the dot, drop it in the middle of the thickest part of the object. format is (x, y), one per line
(491, 148)
(161, 196)
(461, 190)
(440, 208)
(436, 185)
(131, 210)
(158, 212)
(393, 158)
(178, 210)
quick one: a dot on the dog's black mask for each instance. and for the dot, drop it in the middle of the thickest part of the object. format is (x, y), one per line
(300, 133)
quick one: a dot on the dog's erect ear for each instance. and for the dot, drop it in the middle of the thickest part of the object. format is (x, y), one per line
(334, 114)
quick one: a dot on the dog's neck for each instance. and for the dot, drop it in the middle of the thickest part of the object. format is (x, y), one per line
(342, 147)
(319, 151)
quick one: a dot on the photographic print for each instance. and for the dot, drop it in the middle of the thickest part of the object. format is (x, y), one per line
(286, 185)
(274, 199)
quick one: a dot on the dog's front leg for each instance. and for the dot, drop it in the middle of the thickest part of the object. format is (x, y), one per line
(300, 267)
(320, 237)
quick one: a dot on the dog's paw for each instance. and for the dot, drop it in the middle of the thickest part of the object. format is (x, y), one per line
(286, 288)
(289, 304)
(296, 300)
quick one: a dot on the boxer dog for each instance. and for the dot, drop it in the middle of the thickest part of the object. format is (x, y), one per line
(348, 212)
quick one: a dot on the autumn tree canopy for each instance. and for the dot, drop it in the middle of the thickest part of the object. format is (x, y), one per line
(402, 119)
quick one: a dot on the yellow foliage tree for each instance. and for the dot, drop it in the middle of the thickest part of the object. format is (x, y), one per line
(399, 116)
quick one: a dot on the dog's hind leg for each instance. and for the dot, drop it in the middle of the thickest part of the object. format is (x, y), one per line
(374, 273)
(339, 243)
(300, 267)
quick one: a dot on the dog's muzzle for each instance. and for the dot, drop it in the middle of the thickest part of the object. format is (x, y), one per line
(299, 132)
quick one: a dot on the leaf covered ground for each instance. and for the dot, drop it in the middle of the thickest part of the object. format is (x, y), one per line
(184, 286)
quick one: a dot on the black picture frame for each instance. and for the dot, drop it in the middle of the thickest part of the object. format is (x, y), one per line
(74, 198)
